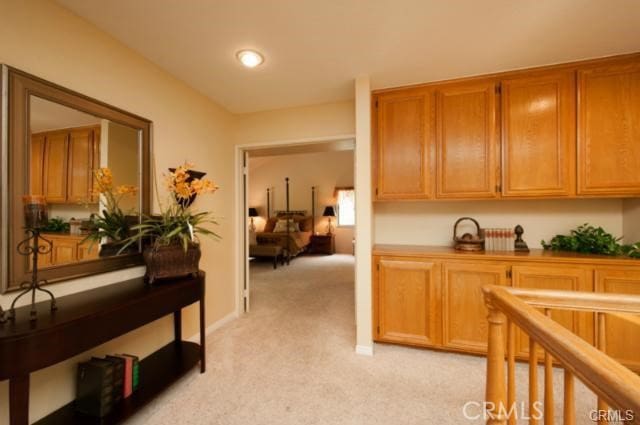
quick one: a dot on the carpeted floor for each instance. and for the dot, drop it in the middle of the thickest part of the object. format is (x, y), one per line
(291, 360)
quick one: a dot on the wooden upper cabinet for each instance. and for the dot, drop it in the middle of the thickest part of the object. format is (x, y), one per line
(55, 167)
(80, 167)
(405, 301)
(36, 164)
(404, 144)
(466, 140)
(609, 129)
(538, 135)
(464, 314)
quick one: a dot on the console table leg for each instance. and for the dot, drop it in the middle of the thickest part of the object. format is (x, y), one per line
(19, 400)
(203, 364)
(177, 325)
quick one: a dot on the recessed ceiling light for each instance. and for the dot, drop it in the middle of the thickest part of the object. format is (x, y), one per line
(249, 58)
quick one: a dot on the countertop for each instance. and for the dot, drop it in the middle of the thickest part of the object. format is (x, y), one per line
(535, 255)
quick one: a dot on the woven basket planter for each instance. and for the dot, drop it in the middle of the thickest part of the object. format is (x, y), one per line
(170, 261)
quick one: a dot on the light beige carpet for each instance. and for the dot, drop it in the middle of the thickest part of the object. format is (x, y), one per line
(291, 360)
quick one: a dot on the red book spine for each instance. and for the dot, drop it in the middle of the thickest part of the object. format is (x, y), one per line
(128, 376)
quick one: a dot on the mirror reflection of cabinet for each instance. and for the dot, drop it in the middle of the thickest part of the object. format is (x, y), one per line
(62, 164)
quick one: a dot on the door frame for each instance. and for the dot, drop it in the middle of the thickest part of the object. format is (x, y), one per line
(241, 236)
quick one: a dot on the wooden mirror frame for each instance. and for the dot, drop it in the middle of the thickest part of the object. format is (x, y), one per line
(17, 87)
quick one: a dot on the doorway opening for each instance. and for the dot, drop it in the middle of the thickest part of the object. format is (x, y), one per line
(298, 218)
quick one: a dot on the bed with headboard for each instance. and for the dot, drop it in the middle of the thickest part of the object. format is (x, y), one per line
(289, 229)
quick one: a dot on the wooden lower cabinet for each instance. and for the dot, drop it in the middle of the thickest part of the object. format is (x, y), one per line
(464, 315)
(622, 339)
(561, 278)
(406, 301)
(437, 302)
(67, 249)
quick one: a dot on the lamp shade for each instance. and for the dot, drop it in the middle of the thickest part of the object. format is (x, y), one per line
(329, 212)
(253, 212)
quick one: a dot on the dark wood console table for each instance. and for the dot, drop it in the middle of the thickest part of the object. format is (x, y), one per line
(90, 318)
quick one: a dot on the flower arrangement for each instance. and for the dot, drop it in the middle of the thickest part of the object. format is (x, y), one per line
(177, 223)
(111, 223)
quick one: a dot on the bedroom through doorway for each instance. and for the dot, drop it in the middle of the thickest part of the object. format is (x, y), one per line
(299, 210)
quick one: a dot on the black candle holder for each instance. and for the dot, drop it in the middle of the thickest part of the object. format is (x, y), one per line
(33, 246)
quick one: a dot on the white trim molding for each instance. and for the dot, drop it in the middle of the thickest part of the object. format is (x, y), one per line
(215, 326)
(364, 350)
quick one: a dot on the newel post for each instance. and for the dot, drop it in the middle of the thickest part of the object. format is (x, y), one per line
(495, 394)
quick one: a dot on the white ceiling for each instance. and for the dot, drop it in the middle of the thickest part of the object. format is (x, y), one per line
(46, 115)
(314, 48)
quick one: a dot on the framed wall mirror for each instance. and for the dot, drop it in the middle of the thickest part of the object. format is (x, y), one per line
(54, 142)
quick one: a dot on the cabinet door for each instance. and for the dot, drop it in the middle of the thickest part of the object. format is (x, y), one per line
(538, 135)
(87, 251)
(404, 138)
(464, 315)
(80, 166)
(608, 130)
(55, 167)
(466, 141)
(622, 339)
(406, 301)
(64, 251)
(36, 164)
(558, 278)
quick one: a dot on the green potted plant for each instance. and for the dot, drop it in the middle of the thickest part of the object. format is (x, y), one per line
(173, 247)
(111, 227)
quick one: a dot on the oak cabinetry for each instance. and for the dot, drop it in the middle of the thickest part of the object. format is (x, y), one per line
(55, 167)
(406, 301)
(66, 248)
(431, 296)
(466, 141)
(80, 169)
(608, 130)
(464, 315)
(67, 163)
(530, 124)
(404, 145)
(538, 135)
(561, 278)
(622, 338)
(36, 164)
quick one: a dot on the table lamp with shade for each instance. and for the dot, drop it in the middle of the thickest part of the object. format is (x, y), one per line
(329, 211)
(253, 212)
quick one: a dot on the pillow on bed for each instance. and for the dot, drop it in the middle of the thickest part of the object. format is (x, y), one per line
(306, 223)
(270, 225)
(281, 226)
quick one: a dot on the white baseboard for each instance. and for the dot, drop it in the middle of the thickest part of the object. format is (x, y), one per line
(215, 326)
(364, 350)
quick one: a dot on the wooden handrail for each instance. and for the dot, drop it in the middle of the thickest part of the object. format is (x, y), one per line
(618, 386)
(578, 301)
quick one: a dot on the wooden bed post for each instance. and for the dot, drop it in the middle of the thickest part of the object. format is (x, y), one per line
(268, 203)
(288, 222)
(313, 210)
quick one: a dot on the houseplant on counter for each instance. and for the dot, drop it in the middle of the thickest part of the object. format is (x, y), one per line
(174, 247)
(111, 226)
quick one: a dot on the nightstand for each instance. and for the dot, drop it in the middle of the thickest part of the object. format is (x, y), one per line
(322, 244)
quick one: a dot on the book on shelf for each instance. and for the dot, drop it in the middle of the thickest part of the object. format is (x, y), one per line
(95, 387)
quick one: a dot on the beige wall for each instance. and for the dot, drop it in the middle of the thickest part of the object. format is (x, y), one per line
(631, 220)
(44, 39)
(324, 170)
(431, 223)
(122, 158)
(309, 122)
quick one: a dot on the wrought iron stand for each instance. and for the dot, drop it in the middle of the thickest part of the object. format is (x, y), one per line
(32, 246)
